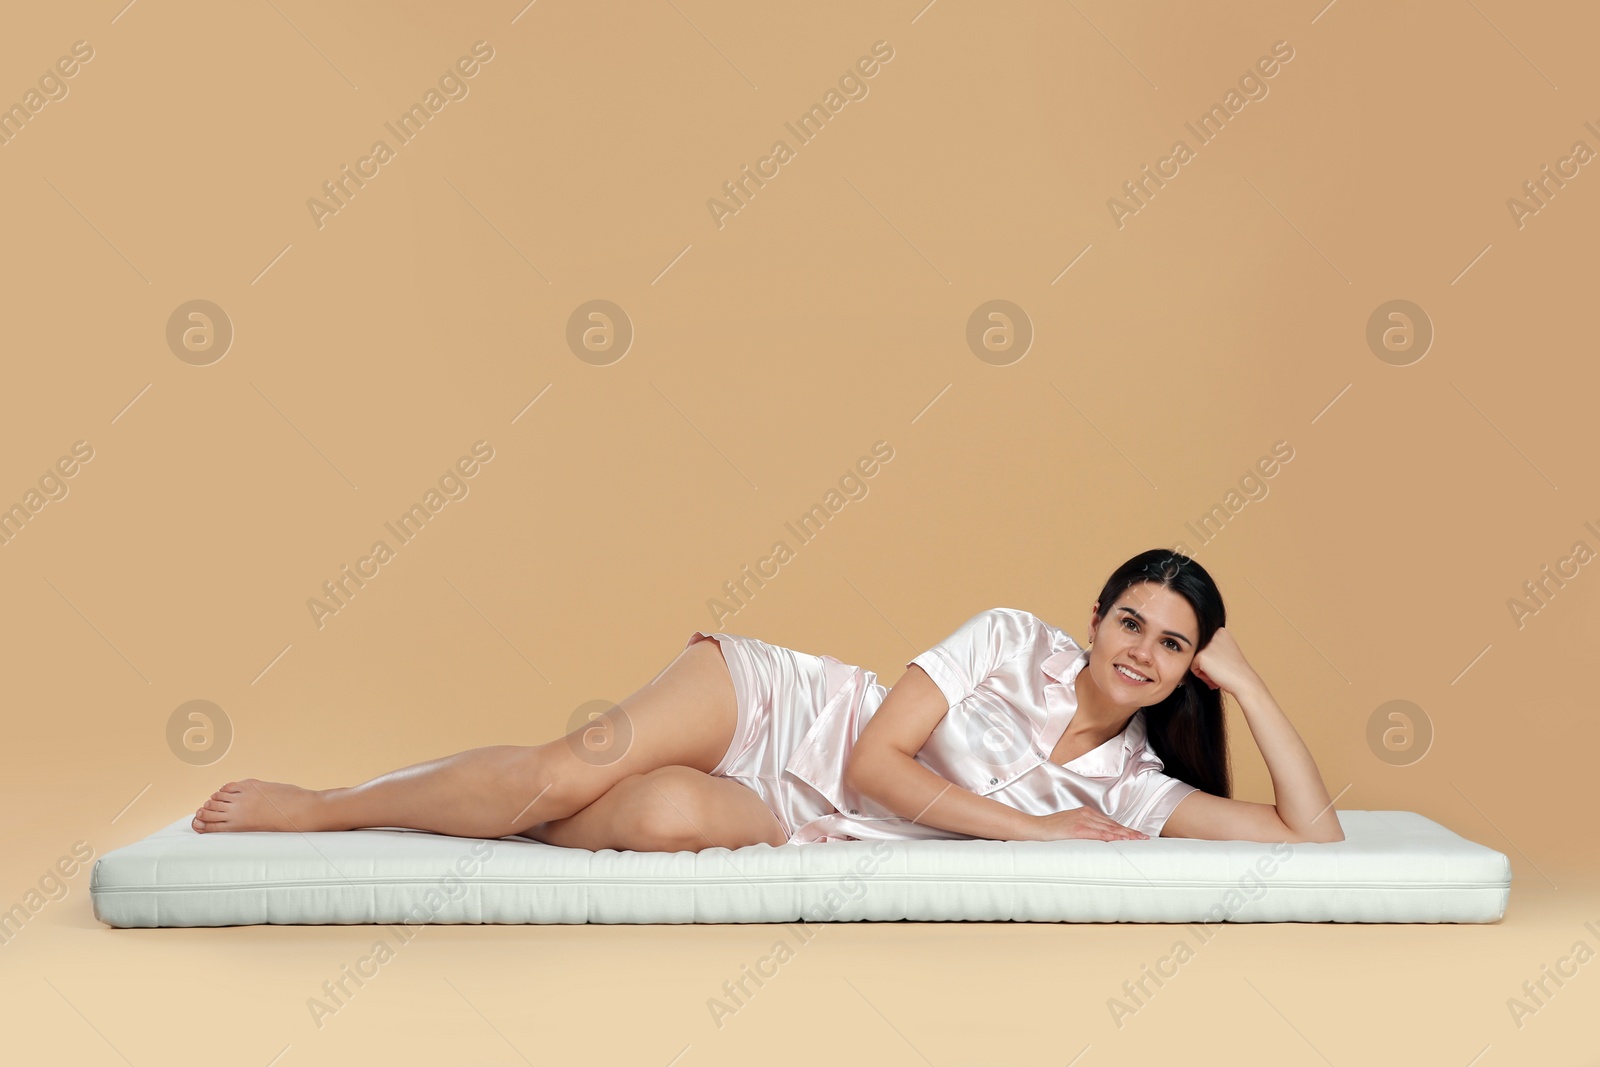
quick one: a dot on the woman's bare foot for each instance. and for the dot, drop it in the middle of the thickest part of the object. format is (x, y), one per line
(251, 804)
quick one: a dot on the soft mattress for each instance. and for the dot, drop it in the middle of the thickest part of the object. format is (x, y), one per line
(1393, 866)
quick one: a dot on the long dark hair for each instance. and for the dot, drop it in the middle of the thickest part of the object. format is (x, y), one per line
(1187, 729)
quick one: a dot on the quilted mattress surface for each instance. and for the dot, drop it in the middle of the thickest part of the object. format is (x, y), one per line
(1393, 866)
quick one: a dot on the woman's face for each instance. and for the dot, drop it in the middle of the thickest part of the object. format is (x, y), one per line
(1150, 630)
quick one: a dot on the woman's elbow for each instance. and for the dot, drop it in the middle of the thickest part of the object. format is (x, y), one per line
(861, 770)
(1319, 834)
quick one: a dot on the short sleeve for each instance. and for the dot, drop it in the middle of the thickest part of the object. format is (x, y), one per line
(1154, 800)
(981, 644)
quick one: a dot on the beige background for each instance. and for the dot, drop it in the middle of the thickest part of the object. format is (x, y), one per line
(770, 354)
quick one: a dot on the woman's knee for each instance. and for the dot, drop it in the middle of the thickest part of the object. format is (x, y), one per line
(558, 779)
(664, 809)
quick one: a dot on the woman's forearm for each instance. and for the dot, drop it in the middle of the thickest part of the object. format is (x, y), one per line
(913, 791)
(1299, 795)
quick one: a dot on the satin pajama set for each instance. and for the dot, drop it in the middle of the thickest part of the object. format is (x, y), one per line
(1008, 677)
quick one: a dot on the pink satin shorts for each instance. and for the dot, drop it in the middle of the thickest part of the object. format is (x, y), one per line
(780, 692)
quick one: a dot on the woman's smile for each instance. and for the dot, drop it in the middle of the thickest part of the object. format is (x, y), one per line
(1140, 679)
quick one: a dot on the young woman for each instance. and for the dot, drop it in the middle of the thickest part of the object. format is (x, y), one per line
(1006, 730)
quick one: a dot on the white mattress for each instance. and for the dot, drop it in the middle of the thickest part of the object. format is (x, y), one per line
(1393, 866)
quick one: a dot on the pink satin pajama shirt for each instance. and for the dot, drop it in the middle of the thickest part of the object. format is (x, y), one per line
(1008, 676)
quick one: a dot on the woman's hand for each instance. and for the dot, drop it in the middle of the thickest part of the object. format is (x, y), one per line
(1222, 663)
(1078, 823)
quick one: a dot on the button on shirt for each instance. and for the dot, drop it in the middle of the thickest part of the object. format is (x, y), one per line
(1008, 678)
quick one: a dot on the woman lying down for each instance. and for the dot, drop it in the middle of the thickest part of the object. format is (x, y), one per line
(1006, 730)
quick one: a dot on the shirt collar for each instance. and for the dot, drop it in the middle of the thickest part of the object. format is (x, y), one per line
(1108, 760)
(1064, 664)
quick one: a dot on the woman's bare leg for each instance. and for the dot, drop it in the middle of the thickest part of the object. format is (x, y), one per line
(686, 716)
(670, 809)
